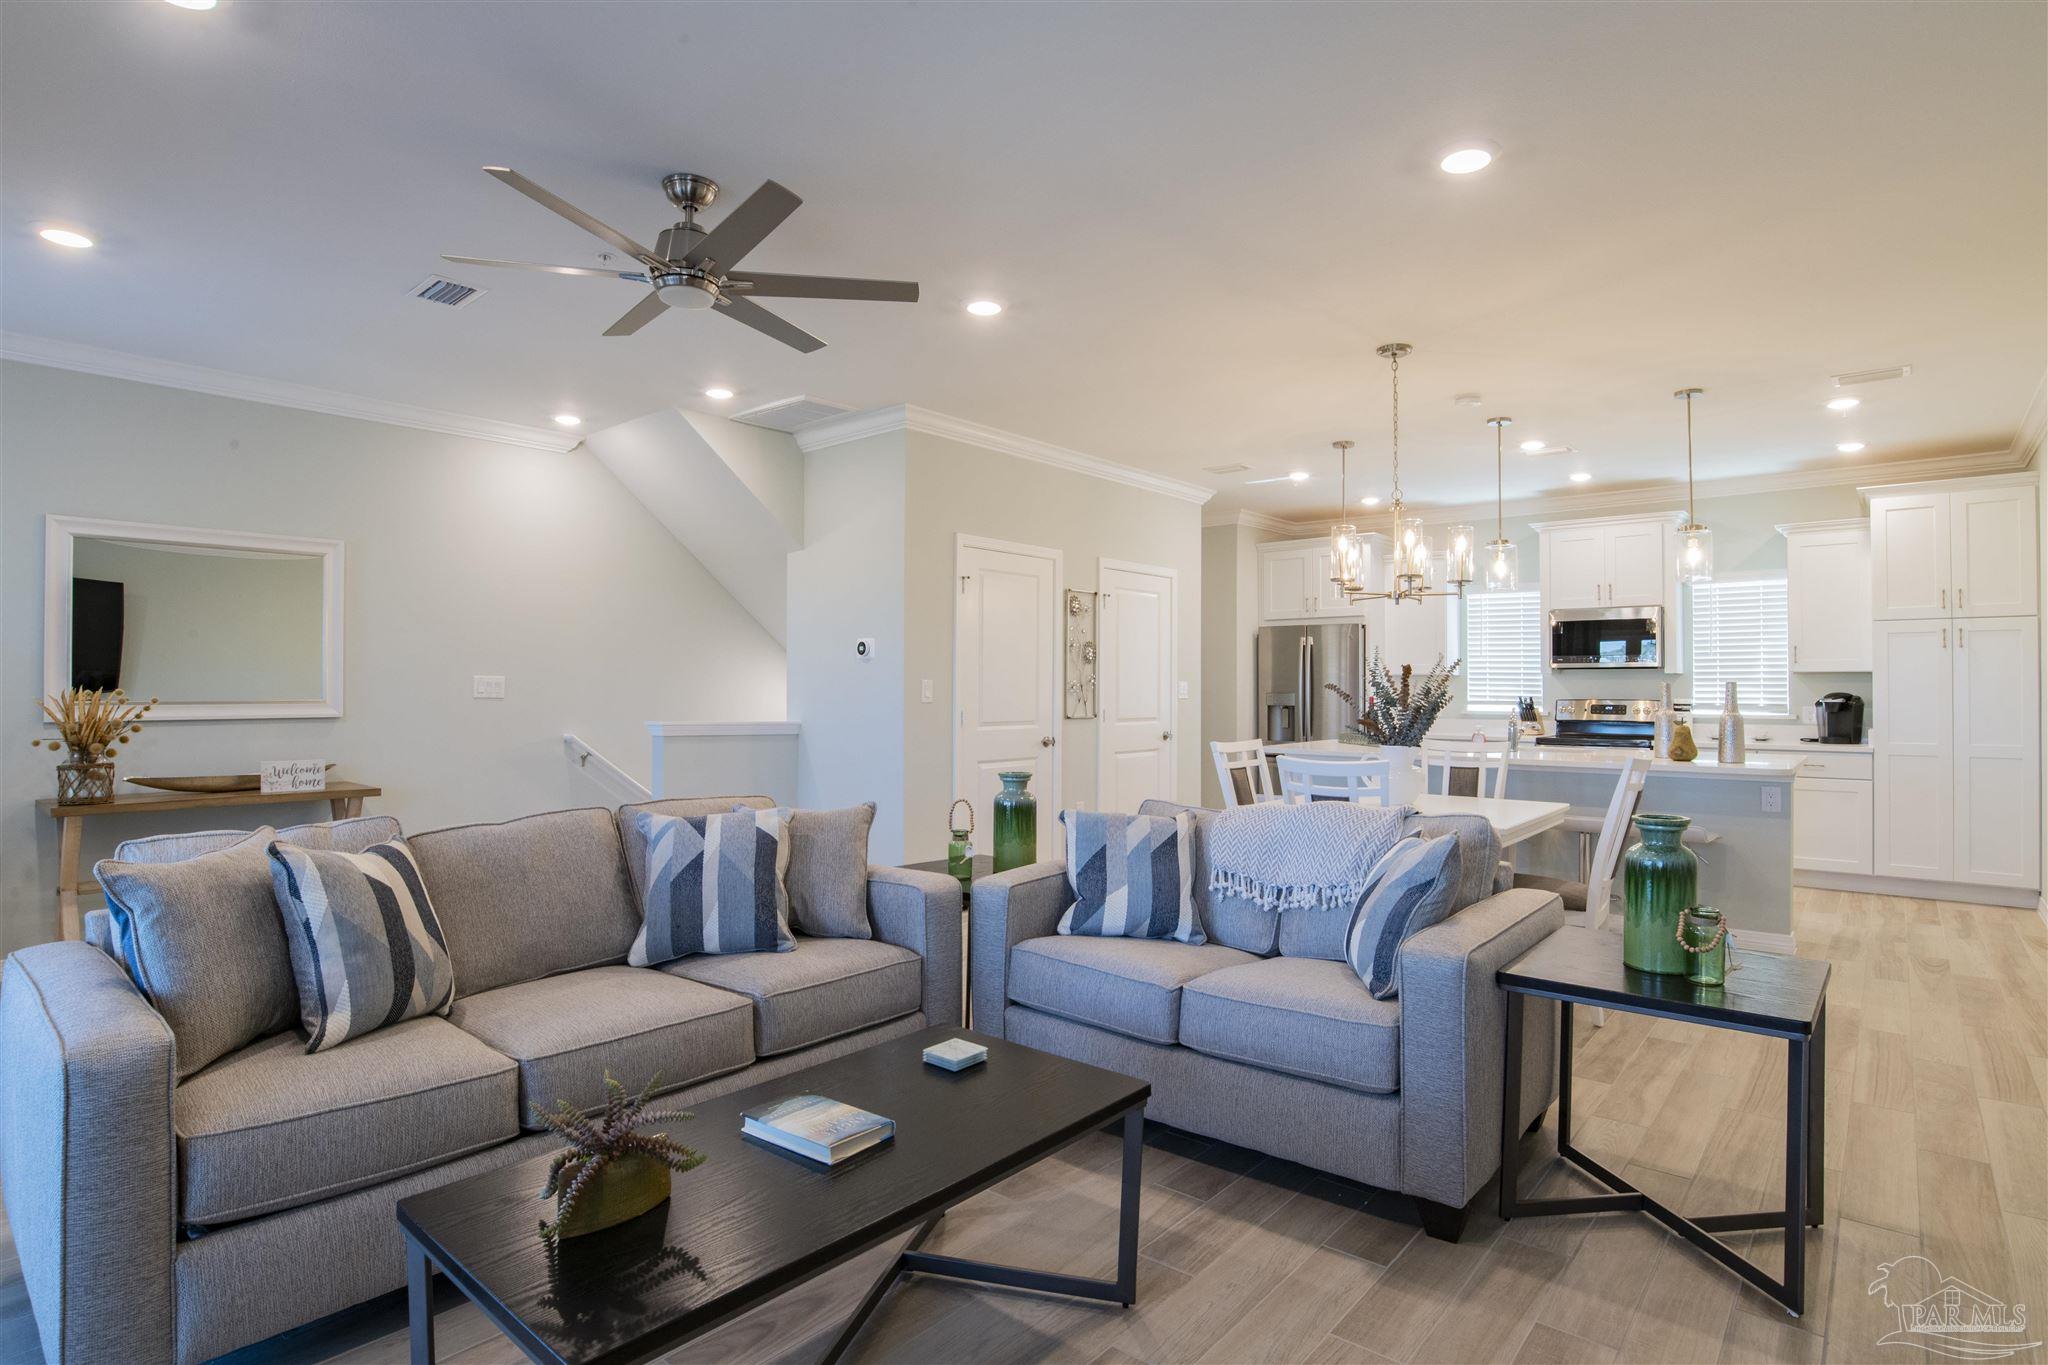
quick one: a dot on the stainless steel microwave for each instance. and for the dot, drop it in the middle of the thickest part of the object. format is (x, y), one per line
(1607, 637)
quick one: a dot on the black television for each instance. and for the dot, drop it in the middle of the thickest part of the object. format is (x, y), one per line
(96, 619)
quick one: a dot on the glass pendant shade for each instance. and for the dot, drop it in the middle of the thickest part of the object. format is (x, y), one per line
(1411, 548)
(1500, 565)
(1695, 554)
(1460, 549)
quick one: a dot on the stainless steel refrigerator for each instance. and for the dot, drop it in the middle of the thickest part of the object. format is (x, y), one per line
(1293, 664)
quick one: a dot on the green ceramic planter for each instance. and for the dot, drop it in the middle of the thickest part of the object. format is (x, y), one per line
(624, 1189)
(1016, 823)
(1659, 882)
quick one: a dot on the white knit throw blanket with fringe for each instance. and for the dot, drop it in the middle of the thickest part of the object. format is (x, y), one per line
(1314, 856)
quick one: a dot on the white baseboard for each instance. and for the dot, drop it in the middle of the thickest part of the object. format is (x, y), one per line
(1966, 892)
(1760, 941)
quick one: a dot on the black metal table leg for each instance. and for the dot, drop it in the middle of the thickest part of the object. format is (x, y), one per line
(1510, 1100)
(1816, 1120)
(1127, 1210)
(1798, 1099)
(419, 1297)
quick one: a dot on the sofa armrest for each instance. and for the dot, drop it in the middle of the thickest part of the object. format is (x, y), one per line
(1025, 902)
(1452, 1016)
(87, 1155)
(921, 911)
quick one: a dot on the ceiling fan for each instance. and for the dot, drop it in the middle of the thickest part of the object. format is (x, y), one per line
(692, 269)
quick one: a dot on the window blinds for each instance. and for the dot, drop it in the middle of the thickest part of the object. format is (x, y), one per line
(1740, 635)
(1503, 649)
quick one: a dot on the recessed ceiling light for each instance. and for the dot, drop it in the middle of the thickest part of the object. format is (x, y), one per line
(1465, 160)
(562, 419)
(1843, 404)
(195, 4)
(718, 393)
(984, 308)
(77, 241)
(1531, 447)
(1368, 502)
(1581, 476)
(1849, 447)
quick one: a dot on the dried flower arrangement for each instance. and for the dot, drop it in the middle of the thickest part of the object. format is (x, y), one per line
(604, 1143)
(90, 723)
(1400, 711)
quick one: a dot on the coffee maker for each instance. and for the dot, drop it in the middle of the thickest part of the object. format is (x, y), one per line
(1838, 719)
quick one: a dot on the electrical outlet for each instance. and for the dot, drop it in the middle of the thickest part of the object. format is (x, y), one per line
(1774, 800)
(1182, 690)
(927, 690)
(489, 686)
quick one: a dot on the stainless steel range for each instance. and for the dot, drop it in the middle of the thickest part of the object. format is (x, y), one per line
(1606, 723)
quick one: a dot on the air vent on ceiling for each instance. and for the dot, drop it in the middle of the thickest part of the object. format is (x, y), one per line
(1225, 468)
(788, 414)
(1843, 381)
(434, 289)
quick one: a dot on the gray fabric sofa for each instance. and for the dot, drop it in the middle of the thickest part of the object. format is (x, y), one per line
(1265, 1038)
(160, 1221)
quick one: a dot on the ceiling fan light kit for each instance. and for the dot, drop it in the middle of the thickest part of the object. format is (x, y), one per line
(690, 269)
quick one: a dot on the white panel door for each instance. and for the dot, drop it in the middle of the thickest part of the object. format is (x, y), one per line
(1636, 564)
(1828, 591)
(1575, 567)
(1992, 536)
(1914, 694)
(1007, 662)
(1909, 556)
(1134, 756)
(1284, 589)
(1998, 751)
(1831, 825)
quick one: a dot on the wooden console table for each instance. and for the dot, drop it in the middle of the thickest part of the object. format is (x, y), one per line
(344, 799)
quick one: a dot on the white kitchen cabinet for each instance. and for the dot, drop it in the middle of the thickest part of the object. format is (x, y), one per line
(1622, 561)
(1330, 599)
(1997, 751)
(1831, 825)
(1913, 712)
(1638, 563)
(1827, 571)
(1968, 551)
(1574, 567)
(1286, 588)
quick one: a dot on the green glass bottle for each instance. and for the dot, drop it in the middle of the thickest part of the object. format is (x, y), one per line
(1016, 822)
(1659, 882)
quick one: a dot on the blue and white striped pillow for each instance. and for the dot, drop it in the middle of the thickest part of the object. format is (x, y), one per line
(715, 884)
(1409, 889)
(1133, 876)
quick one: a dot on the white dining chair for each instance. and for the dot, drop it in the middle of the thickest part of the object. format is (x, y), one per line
(1585, 902)
(1241, 768)
(1334, 779)
(1491, 765)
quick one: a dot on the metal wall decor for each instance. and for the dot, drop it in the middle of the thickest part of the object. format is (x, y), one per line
(1081, 684)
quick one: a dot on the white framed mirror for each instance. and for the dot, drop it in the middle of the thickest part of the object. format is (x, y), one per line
(217, 625)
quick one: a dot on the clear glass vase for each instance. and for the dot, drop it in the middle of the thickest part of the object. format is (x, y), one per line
(82, 782)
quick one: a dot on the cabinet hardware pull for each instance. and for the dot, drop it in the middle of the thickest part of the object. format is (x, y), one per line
(1959, 630)
(1944, 637)
(1959, 599)
(1944, 598)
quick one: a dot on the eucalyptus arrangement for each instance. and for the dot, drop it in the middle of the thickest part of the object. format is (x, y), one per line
(610, 1172)
(91, 724)
(1400, 710)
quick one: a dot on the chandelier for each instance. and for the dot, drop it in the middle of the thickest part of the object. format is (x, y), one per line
(1411, 567)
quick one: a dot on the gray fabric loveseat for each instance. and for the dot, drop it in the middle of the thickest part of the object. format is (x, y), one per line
(1265, 1037)
(161, 1220)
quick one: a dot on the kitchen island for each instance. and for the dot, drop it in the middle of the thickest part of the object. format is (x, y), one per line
(1746, 869)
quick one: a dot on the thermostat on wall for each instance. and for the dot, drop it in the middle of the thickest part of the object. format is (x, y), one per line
(864, 649)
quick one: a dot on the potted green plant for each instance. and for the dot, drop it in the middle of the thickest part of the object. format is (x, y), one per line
(610, 1172)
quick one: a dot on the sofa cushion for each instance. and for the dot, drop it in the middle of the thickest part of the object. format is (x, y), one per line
(1304, 1016)
(342, 836)
(1411, 890)
(636, 843)
(826, 987)
(529, 898)
(367, 951)
(1233, 921)
(202, 941)
(1479, 853)
(1572, 893)
(1126, 985)
(273, 1126)
(715, 884)
(1132, 875)
(828, 870)
(567, 1031)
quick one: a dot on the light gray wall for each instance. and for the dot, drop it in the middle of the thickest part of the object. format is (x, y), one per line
(1230, 627)
(463, 557)
(212, 627)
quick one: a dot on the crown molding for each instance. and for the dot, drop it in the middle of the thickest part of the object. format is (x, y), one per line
(2027, 441)
(857, 426)
(1258, 521)
(172, 374)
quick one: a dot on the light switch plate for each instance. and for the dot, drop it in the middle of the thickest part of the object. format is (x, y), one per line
(1182, 691)
(927, 690)
(490, 686)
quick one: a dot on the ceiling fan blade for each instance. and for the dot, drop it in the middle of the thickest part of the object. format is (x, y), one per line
(742, 230)
(635, 276)
(638, 316)
(823, 287)
(768, 324)
(575, 215)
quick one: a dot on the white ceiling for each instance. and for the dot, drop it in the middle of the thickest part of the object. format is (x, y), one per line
(1202, 218)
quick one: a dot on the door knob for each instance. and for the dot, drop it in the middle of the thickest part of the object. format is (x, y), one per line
(1045, 742)
(1166, 734)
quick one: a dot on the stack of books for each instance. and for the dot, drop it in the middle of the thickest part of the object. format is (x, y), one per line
(822, 1129)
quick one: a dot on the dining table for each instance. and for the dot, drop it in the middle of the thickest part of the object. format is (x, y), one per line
(1512, 820)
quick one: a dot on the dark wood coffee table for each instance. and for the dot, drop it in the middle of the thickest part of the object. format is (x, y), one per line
(754, 1221)
(1773, 994)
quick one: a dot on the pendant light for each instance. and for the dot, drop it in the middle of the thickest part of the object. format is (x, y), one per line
(1411, 569)
(1695, 542)
(1347, 550)
(1502, 560)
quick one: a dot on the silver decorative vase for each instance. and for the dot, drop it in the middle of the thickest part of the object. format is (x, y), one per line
(1662, 728)
(1732, 749)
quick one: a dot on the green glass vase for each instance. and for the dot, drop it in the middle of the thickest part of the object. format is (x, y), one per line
(1659, 883)
(1016, 822)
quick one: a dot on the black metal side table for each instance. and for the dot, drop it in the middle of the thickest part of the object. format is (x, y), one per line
(984, 866)
(1775, 995)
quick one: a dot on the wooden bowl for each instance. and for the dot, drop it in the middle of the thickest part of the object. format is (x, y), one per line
(207, 785)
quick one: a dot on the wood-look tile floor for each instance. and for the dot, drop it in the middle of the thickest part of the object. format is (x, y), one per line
(1937, 1143)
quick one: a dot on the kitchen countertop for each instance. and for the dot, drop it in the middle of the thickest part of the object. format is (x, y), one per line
(1760, 766)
